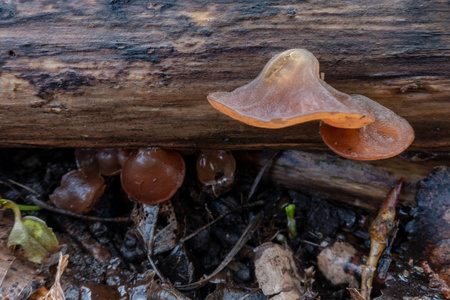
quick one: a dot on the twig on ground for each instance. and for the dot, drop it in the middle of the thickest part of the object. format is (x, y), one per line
(33, 198)
(56, 292)
(380, 231)
(6, 272)
(260, 174)
(150, 242)
(249, 293)
(257, 203)
(251, 227)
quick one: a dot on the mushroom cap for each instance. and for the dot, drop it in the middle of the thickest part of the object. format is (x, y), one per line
(87, 161)
(152, 176)
(108, 161)
(388, 136)
(78, 192)
(124, 154)
(287, 92)
(216, 167)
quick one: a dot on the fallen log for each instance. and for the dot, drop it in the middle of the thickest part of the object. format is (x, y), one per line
(356, 183)
(133, 73)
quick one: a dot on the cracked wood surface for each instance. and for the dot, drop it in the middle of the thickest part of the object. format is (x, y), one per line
(102, 73)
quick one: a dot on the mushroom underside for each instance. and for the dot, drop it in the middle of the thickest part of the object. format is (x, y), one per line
(387, 136)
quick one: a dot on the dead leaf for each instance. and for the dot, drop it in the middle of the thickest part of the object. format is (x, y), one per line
(278, 274)
(56, 291)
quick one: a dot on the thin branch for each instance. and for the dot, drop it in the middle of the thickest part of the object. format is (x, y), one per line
(24, 187)
(251, 227)
(219, 218)
(260, 174)
(150, 244)
(6, 272)
(33, 199)
(250, 293)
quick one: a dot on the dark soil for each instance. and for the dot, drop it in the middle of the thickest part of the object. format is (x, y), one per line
(110, 258)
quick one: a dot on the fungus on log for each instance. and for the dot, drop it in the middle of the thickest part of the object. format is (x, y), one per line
(287, 92)
(388, 136)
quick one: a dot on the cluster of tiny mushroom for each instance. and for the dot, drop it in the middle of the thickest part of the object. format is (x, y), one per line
(289, 91)
(148, 175)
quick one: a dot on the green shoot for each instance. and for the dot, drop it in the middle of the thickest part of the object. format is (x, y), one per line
(291, 224)
(21, 206)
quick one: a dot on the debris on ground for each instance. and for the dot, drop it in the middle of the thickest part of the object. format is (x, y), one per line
(207, 243)
(280, 275)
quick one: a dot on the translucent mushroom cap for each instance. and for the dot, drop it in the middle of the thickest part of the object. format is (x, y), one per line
(387, 136)
(289, 91)
(152, 176)
(78, 192)
(216, 167)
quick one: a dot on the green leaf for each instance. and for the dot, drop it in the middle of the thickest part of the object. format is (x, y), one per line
(39, 231)
(33, 235)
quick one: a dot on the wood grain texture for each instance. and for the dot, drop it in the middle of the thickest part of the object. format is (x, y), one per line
(82, 73)
(357, 183)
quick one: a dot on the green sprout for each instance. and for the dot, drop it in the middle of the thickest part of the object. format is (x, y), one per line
(20, 206)
(291, 224)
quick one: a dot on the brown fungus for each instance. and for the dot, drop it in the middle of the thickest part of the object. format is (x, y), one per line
(108, 161)
(289, 91)
(78, 192)
(105, 161)
(152, 176)
(215, 169)
(388, 136)
(86, 160)
(124, 154)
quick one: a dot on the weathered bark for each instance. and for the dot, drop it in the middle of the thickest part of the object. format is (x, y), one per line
(357, 183)
(129, 73)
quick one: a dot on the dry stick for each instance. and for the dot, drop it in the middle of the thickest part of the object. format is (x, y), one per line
(256, 203)
(15, 190)
(249, 293)
(22, 186)
(183, 240)
(33, 199)
(251, 227)
(260, 174)
(150, 245)
(311, 243)
(6, 272)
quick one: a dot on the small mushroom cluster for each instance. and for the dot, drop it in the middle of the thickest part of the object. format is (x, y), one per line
(290, 91)
(148, 175)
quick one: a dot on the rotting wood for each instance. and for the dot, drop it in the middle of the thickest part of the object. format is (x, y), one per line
(357, 183)
(133, 73)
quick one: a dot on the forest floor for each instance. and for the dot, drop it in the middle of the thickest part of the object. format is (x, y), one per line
(203, 245)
